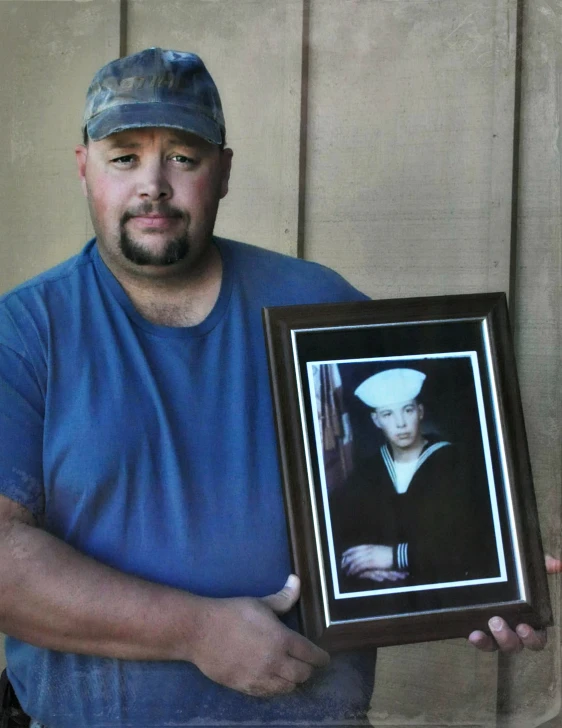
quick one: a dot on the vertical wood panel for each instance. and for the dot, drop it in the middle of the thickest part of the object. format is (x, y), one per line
(530, 684)
(49, 52)
(409, 192)
(410, 143)
(253, 49)
(48, 55)
(442, 684)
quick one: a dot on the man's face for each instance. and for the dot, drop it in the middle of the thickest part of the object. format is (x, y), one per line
(153, 196)
(400, 423)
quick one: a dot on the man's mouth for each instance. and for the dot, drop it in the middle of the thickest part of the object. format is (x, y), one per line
(154, 220)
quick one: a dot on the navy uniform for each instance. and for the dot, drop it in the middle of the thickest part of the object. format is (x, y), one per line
(428, 509)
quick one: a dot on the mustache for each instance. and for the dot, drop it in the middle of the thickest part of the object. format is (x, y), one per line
(149, 208)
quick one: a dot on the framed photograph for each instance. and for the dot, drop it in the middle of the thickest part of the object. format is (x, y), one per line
(406, 473)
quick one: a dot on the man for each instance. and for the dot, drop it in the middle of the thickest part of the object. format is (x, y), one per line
(143, 546)
(412, 512)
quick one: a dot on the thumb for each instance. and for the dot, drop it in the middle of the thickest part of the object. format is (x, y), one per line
(283, 600)
(553, 566)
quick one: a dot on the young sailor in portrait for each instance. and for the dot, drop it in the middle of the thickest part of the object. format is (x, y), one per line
(411, 513)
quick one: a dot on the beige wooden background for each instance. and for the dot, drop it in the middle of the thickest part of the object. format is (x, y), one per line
(378, 137)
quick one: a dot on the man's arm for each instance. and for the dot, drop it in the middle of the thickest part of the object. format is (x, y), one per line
(53, 596)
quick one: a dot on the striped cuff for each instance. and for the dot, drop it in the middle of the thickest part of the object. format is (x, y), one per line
(401, 556)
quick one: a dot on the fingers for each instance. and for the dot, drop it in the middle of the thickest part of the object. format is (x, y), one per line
(359, 562)
(356, 550)
(246, 647)
(289, 674)
(298, 665)
(282, 601)
(374, 575)
(553, 566)
(298, 646)
(358, 558)
(531, 638)
(367, 556)
(275, 686)
(383, 575)
(295, 672)
(482, 641)
(307, 652)
(394, 575)
(513, 641)
(287, 670)
(506, 639)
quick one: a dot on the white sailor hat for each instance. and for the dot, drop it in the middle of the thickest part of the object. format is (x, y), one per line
(389, 387)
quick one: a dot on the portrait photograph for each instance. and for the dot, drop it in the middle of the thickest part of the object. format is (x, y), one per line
(407, 482)
(406, 474)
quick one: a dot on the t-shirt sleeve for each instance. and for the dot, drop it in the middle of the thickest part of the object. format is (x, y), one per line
(338, 289)
(21, 424)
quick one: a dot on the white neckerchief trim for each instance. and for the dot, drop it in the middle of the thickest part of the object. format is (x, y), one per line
(389, 462)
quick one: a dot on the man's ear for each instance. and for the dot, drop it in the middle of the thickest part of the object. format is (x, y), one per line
(375, 418)
(81, 153)
(226, 165)
(421, 411)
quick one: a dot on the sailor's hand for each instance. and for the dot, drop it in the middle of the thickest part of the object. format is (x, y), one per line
(383, 575)
(512, 641)
(367, 557)
(245, 646)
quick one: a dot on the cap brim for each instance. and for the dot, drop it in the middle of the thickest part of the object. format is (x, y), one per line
(139, 116)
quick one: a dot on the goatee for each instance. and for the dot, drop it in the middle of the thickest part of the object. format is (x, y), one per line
(175, 250)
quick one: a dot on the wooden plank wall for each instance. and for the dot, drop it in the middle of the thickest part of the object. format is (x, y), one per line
(414, 198)
(49, 51)
(376, 137)
(410, 144)
(538, 332)
(253, 51)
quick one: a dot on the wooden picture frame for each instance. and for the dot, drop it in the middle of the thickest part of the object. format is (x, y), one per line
(472, 547)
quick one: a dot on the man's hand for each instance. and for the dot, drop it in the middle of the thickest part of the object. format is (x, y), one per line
(366, 558)
(244, 645)
(508, 640)
(46, 585)
(553, 566)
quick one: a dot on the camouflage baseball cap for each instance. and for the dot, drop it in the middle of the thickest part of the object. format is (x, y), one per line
(154, 87)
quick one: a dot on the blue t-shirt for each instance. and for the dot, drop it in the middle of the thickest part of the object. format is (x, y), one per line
(153, 450)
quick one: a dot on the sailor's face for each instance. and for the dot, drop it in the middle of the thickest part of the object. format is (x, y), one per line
(400, 423)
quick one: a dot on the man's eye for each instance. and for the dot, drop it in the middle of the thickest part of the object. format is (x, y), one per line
(124, 160)
(182, 159)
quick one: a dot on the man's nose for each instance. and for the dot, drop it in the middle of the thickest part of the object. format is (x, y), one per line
(400, 421)
(153, 183)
